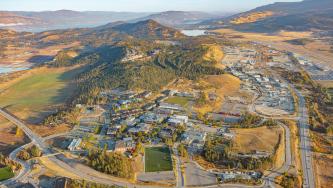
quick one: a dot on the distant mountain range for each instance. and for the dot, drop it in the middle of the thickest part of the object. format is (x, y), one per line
(299, 16)
(179, 18)
(64, 19)
(296, 16)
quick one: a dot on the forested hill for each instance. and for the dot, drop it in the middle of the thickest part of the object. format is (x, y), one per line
(148, 29)
(136, 64)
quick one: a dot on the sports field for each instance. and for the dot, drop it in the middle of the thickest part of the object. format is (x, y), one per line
(182, 101)
(157, 159)
(6, 173)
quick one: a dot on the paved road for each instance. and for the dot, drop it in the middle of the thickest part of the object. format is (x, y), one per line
(63, 162)
(25, 166)
(36, 139)
(304, 133)
(287, 161)
(179, 177)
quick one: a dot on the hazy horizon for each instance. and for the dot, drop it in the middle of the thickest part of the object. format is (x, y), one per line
(134, 6)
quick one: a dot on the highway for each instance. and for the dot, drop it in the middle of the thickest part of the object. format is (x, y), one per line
(305, 142)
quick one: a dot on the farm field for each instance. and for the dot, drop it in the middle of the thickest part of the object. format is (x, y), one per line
(157, 159)
(6, 173)
(34, 94)
(261, 139)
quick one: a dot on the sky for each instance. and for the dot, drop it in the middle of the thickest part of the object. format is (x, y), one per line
(135, 5)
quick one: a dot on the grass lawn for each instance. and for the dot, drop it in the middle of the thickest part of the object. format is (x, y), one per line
(182, 101)
(33, 95)
(6, 173)
(157, 159)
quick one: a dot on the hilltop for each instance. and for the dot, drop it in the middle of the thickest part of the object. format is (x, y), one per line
(148, 28)
(293, 16)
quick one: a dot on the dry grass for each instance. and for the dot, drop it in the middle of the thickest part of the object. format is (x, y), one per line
(324, 170)
(327, 84)
(55, 169)
(17, 54)
(252, 17)
(261, 139)
(44, 131)
(280, 152)
(219, 85)
(8, 138)
(295, 152)
(247, 36)
(214, 54)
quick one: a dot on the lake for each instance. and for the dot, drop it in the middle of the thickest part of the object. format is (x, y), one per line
(193, 33)
(5, 69)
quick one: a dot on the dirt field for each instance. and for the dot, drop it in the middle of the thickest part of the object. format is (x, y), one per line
(324, 170)
(261, 139)
(218, 85)
(221, 86)
(327, 84)
(8, 138)
(44, 131)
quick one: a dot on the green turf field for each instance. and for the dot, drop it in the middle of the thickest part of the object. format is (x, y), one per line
(182, 101)
(6, 173)
(157, 159)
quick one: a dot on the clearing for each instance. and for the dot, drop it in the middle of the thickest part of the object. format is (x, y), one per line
(6, 173)
(219, 86)
(182, 101)
(260, 139)
(157, 159)
(36, 93)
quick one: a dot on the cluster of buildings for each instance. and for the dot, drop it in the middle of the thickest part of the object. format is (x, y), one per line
(274, 95)
(317, 71)
(237, 175)
(129, 115)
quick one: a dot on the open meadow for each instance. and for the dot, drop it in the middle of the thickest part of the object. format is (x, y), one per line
(37, 92)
